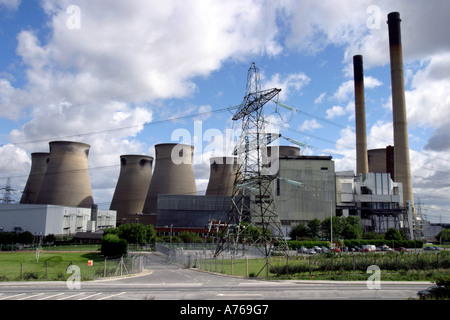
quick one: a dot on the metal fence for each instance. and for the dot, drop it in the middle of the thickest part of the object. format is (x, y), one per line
(56, 268)
(201, 256)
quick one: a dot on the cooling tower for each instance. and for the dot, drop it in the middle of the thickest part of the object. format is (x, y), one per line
(66, 181)
(173, 174)
(132, 185)
(222, 175)
(39, 162)
(284, 151)
(362, 165)
(402, 169)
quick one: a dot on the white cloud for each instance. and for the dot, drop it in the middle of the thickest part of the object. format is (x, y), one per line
(289, 84)
(320, 98)
(10, 4)
(310, 125)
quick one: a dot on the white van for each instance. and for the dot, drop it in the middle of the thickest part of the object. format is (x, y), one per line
(368, 248)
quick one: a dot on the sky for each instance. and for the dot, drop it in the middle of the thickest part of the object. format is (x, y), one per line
(123, 76)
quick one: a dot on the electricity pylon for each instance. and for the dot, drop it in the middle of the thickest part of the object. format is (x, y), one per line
(252, 201)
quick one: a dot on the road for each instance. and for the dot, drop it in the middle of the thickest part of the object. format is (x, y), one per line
(162, 281)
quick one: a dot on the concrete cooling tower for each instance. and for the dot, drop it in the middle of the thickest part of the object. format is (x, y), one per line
(284, 151)
(39, 161)
(173, 174)
(132, 185)
(222, 175)
(66, 181)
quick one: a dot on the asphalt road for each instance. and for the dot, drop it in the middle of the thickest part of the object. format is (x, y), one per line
(162, 281)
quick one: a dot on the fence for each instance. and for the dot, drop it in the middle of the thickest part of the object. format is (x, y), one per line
(250, 265)
(201, 256)
(55, 266)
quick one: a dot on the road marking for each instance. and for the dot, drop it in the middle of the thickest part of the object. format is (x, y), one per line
(16, 295)
(72, 296)
(239, 294)
(113, 295)
(90, 296)
(32, 296)
(52, 296)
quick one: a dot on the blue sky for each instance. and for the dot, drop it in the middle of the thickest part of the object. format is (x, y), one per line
(111, 73)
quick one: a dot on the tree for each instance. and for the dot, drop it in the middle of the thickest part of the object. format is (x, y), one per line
(352, 228)
(393, 234)
(190, 237)
(299, 231)
(338, 227)
(150, 233)
(25, 237)
(313, 228)
(112, 245)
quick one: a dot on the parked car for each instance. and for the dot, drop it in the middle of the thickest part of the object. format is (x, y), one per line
(368, 248)
(336, 249)
(302, 250)
(433, 290)
(324, 250)
(401, 249)
(317, 249)
(356, 248)
(311, 251)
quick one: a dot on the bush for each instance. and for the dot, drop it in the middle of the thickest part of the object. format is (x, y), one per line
(113, 246)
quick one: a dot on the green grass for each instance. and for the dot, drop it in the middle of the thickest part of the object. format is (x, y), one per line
(404, 267)
(16, 266)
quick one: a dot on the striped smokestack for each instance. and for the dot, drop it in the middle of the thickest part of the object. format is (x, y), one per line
(362, 165)
(402, 169)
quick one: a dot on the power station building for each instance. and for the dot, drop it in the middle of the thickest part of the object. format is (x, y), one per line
(43, 220)
(57, 198)
(306, 188)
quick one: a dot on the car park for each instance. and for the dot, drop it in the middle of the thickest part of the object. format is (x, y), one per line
(317, 249)
(311, 251)
(324, 250)
(302, 250)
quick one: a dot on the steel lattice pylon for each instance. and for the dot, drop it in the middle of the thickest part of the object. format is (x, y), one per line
(252, 201)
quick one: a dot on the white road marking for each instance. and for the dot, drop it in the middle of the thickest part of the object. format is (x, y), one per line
(9, 297)
(113, 295)
(90, 296)
(32, 296)
(52, 296)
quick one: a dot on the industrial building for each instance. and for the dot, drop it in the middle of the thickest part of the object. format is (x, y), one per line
(306, 187)
(43, 220)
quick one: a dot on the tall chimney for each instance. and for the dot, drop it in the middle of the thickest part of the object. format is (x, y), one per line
(402, 169)
(362, 165)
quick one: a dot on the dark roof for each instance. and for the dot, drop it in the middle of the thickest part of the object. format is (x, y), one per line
(89, 235)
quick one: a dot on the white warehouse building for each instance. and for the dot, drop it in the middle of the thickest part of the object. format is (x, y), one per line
(43, 219)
